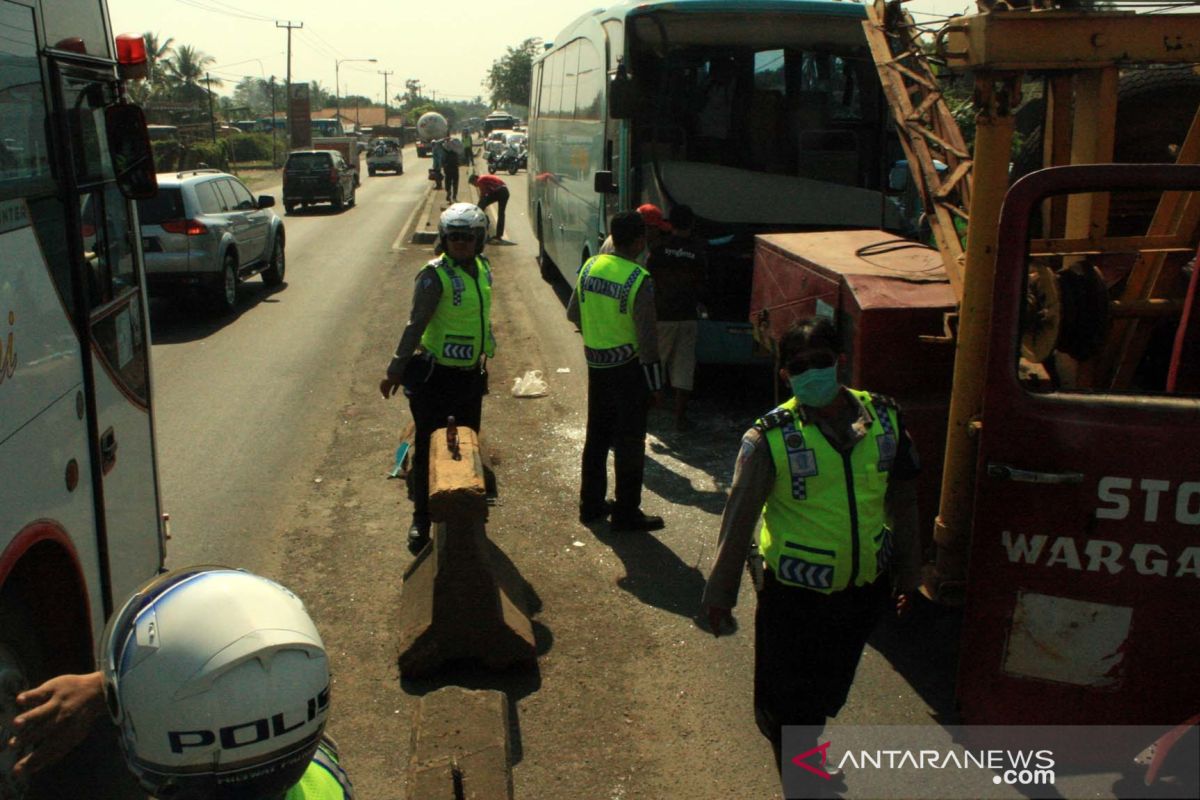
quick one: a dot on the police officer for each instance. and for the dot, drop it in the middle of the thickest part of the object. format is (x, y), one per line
(194, 667)
(831, 473)
(613, 303)
(441, 354)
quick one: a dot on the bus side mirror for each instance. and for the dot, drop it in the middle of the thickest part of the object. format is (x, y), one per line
(603, 183)
(620, 95)
(129, 146)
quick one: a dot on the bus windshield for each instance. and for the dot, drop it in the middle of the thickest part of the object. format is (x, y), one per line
(783, 111)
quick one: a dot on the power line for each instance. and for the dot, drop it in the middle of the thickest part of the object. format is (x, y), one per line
(236, 14)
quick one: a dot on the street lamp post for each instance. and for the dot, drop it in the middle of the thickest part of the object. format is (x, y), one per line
(337, 84)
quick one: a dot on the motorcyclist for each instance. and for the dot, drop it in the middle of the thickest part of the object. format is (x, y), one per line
(219, 684)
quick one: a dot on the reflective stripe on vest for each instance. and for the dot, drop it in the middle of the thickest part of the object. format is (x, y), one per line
(323, 780)
(606, 291)
(825, 526)
(461, 328)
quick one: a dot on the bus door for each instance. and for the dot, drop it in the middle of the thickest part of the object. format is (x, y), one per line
(105, 246)
(1084, 559)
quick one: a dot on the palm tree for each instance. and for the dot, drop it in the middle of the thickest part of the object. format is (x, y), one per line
(185, 70)
(157, 54)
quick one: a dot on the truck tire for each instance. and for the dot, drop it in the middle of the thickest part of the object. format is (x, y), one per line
(338, 202)
(1154, 110)
(371, 171)
(545, 264)
(399, 170)
(288, 208)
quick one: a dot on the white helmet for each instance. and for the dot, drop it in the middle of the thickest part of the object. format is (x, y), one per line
(219, 682)
(464, 217)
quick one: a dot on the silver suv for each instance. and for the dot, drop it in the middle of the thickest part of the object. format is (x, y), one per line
(204, 230)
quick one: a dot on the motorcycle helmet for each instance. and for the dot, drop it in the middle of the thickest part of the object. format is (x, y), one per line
(464, 217)
(219, 683)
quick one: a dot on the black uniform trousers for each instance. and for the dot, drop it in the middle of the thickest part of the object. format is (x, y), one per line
(500, 198)
(618, 400)
(449, 392)
(807, 646)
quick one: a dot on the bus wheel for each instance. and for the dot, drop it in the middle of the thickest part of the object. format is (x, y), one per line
(545, 264)
(22, 665)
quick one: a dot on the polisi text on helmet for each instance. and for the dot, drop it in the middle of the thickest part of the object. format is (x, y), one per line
(254, 731)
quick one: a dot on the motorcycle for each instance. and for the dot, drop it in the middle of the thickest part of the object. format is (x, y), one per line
(508, 160)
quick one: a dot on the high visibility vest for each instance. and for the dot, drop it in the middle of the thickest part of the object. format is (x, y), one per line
(606, 291)
(825, 527)
(461, 328)
(323, 780)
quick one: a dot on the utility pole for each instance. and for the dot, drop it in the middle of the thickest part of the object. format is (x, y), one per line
(288, 93)
(273, 156)
(212, 119)
(385, 74)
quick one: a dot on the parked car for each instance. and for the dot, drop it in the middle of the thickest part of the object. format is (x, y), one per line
(205, 231)
(424, 148)
(385, 154)
(317, 176)
(495, 141)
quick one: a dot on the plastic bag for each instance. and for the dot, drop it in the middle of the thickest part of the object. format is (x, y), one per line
(530, 385)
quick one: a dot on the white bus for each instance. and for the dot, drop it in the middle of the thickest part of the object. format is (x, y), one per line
(80, 524)
(762, 115)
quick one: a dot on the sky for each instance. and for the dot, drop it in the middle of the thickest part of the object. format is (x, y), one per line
(448, 45)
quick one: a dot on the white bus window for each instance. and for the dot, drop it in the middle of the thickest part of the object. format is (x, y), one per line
(108, 247)
(24, 155)
(614, 29)
(591, 83)
(77, 26)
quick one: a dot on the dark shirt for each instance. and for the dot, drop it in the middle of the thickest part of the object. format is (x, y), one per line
(678, 266)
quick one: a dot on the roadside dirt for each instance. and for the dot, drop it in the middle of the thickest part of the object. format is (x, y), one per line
(630, 698)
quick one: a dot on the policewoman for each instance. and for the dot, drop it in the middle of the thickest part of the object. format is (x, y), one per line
(441, 355)
(831, 474)
(613, 304)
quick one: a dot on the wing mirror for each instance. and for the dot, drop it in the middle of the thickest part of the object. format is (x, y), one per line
(129, 146)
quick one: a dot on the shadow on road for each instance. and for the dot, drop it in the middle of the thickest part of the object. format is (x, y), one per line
(923, 647)
(653, 573)
(188, 317)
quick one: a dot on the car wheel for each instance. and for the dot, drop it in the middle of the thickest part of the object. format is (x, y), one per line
(227, 293)
(289, 208)
(371, 172)
(400, 170)
(338, 202)
(273, 274)
(353, 197)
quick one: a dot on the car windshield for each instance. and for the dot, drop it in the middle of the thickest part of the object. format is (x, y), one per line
(308, 162)
(167, 204)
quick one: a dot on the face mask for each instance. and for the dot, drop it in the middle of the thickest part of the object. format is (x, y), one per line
(816, 387)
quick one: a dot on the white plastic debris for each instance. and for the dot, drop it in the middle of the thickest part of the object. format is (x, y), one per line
(530, 385)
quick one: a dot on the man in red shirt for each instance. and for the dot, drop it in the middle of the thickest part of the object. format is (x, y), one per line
(492, 190)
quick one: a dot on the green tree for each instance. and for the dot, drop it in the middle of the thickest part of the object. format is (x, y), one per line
(185, 70)
(158, 52)
(255, 94)
(508, 80)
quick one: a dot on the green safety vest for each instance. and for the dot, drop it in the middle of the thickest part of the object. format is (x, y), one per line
(606, 290)
(323, 780)
(461, 328)
(825, 527)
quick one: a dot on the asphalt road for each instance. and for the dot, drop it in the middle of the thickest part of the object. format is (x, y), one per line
(241, 400)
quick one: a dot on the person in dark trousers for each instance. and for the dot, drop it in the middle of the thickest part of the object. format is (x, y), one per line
(678, 265)
(441, 355)
(613, 304)
(452, 152)
(831, 474)
(492, 190)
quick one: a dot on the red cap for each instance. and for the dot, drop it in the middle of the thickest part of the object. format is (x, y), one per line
(653, 215)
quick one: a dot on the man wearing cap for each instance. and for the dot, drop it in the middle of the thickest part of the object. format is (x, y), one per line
(656, 230)
(678, 266)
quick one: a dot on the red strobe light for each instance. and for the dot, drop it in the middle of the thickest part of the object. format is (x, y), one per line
(131, 56)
